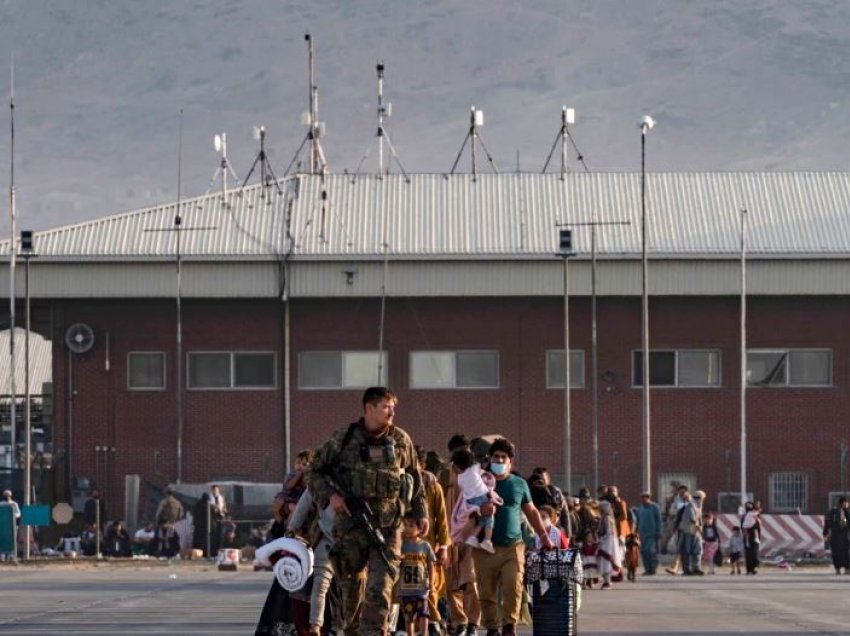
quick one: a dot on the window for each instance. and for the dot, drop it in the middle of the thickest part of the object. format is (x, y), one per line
(555, 369)
(232, 370)
(789, 367)
(669, 482)
(454, 370)
(341, 369)
(146, 371)
(678, 368)
(788, 492)
(730, 502)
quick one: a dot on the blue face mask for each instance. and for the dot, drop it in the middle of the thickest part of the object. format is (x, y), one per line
(498, 469)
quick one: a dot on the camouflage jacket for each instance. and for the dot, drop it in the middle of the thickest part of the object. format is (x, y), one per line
(373, 471)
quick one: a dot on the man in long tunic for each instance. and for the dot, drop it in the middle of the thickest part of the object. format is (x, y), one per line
(370, 461)
(461, 589)
(836, 530)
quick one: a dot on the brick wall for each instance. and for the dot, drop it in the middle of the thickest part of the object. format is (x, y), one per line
(693, 430)
(226, 433)
(240, 433)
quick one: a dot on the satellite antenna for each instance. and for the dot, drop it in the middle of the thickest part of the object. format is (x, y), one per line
(224, 166)
(310, 119)
(476, 121)
(267, 176)
(385, 110)
(568, 117)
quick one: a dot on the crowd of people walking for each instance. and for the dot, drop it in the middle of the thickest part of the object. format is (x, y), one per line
(406, 540)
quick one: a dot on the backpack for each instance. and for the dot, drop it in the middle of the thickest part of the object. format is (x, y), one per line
(171, 511)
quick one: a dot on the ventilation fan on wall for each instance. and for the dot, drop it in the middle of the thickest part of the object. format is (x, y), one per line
(79, 337)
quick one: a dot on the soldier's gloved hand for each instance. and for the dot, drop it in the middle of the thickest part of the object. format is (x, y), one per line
(337, 502)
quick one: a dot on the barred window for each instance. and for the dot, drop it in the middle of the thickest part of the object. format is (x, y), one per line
(788, 491)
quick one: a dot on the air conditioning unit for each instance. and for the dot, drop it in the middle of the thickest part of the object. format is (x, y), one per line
(730, 502)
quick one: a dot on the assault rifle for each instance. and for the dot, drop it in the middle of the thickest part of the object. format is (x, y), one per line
(361, 515)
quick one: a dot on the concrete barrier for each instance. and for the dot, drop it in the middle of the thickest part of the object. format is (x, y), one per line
(792, 534)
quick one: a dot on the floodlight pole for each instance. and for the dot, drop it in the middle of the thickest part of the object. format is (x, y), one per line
(645, 125)
(12, 261)
(566, 252)
(178, 223)
(27, 254)
(743, 356)
(593, 223)
(594, 356)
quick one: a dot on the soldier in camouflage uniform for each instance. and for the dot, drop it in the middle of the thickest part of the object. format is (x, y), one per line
(374, 461)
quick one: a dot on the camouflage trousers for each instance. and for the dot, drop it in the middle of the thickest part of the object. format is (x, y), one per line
(365, 580)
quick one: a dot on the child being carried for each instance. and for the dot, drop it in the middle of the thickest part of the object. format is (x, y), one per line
(477, 489)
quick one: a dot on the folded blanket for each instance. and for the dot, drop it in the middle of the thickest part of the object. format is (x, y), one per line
(291, 561)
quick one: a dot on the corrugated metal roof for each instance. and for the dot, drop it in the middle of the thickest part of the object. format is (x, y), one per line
(457, 216)
(41, 361)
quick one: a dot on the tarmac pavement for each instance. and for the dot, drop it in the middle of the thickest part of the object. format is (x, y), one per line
(193, 598)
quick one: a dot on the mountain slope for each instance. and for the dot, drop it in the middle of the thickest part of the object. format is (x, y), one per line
(99, 84)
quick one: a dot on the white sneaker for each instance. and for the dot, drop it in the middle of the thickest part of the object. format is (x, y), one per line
(487, 546)
(472, 541)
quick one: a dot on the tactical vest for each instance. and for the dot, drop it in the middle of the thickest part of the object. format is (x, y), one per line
(377, 472)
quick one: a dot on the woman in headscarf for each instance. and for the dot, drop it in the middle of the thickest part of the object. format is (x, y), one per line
(610, 553)
(836, 530)
(751, 529)
(201, 525)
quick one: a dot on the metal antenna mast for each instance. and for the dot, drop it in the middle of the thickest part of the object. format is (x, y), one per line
(568, 117)
(178, 229)
(267, 175)
(224, 166)
(315, 128)
(564, 135)
(476, 121)
(12, 260)
(385, 110)
(382, 110)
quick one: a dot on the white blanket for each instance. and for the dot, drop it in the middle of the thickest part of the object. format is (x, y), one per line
(293, 562)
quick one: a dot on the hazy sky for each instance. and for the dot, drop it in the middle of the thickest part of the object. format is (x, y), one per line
(99, 84)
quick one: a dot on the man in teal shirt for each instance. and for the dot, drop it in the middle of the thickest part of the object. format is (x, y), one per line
(649, 528)
(505, 567)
